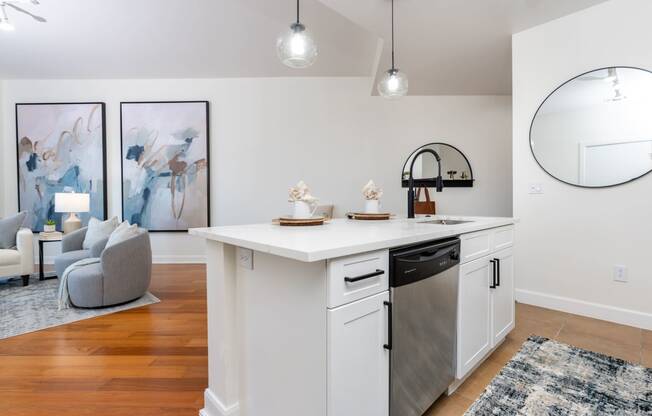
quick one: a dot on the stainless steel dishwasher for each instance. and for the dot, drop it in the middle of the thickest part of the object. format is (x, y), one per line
(423, 308)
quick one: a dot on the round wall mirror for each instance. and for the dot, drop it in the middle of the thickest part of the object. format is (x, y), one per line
(455, 167)
(595, 130)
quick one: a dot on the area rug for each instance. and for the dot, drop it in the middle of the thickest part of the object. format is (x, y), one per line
(34, 307)
(550, 378)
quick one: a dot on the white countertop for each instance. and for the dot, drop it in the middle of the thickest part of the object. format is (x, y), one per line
(341, 237)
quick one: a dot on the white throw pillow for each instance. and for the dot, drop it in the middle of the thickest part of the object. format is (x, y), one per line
(99, 230)
(122, 233)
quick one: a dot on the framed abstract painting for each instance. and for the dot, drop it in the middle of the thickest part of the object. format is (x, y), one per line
(60, 147)
(165, 164)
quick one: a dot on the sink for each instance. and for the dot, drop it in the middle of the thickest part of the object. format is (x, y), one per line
(444, 222)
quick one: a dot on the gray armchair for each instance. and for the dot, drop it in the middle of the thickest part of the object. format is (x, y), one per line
(72, 250)
(122, 275)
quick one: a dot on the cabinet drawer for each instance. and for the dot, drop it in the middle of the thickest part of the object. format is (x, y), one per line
(475, 245)
(355, 277)
(503, 237)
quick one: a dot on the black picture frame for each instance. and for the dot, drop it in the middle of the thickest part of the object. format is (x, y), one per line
(431, 182)
(208, 162)
(104, 167)
(529, 138)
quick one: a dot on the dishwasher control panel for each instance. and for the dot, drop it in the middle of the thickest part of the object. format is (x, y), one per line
(414, 263)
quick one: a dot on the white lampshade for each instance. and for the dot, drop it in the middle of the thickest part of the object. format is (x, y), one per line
(71, 202)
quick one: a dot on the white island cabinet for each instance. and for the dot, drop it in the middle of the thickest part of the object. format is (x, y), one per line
(298, 317)
(486, 295)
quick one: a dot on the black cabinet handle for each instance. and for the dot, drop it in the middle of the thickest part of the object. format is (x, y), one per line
(388, 346)
(378, 272)
(498, 272)
(493, 275)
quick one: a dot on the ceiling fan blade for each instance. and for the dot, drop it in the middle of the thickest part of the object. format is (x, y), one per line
(33, 16)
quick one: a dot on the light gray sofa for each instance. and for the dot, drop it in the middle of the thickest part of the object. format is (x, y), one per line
(122, 275)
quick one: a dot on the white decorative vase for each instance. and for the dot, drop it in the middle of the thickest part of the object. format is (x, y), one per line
(371, 206)
(49, 228)
(303, 210)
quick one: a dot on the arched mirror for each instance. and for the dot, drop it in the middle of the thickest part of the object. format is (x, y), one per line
(595, 130)
(455, 167)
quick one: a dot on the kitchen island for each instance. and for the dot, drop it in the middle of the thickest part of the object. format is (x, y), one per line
(290, 333)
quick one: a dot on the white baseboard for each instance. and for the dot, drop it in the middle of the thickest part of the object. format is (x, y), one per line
(47, 260)
(156, 259)
(177, 259)
(590, 309)
(214, 407)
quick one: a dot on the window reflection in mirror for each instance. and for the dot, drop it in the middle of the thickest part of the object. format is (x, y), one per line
(596, 129)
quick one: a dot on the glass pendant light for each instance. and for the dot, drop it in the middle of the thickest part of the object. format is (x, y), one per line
(296, 48)
(394, 84)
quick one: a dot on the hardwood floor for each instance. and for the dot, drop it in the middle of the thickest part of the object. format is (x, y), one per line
(153, 360)
(626, 342)
(146, 361)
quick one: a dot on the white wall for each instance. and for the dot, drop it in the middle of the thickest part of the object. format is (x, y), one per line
(2, 157)
(570, 238)
(266, 134)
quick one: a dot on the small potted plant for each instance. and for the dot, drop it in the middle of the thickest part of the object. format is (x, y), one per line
(50, 226)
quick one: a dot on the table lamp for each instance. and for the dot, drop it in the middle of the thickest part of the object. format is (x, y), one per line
(72, 203)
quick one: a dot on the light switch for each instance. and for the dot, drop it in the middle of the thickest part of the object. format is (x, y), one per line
(620, 273)
(535, 188)
(245, 258)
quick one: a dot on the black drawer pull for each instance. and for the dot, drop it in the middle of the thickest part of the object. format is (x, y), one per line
(493, 276)
(498, 273)
(388, 346)
(378, 272)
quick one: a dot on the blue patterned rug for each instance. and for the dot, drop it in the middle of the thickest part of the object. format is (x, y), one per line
(554, 379)
(34, 307)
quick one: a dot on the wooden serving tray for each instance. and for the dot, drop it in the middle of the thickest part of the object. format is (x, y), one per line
(365, 216)
(299, 222)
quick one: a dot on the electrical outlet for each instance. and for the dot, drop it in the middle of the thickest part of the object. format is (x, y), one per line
(535, 188)
(620, 273)
(245, 258)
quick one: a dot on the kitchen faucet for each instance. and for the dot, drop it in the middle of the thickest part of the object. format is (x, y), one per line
(439, 182)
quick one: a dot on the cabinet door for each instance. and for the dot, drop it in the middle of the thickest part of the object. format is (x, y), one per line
(474, 316)
(503, 296)
(358, 365)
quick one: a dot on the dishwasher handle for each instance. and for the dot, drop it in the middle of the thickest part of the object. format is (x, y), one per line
(388, 346)
(431, 249)
(422, 259)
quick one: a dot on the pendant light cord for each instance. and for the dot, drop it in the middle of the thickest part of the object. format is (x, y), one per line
(297, 11)
(392, 34)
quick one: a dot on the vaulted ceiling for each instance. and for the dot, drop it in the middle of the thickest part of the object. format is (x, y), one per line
(445, 46)
(175, 39)
(454, 46)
